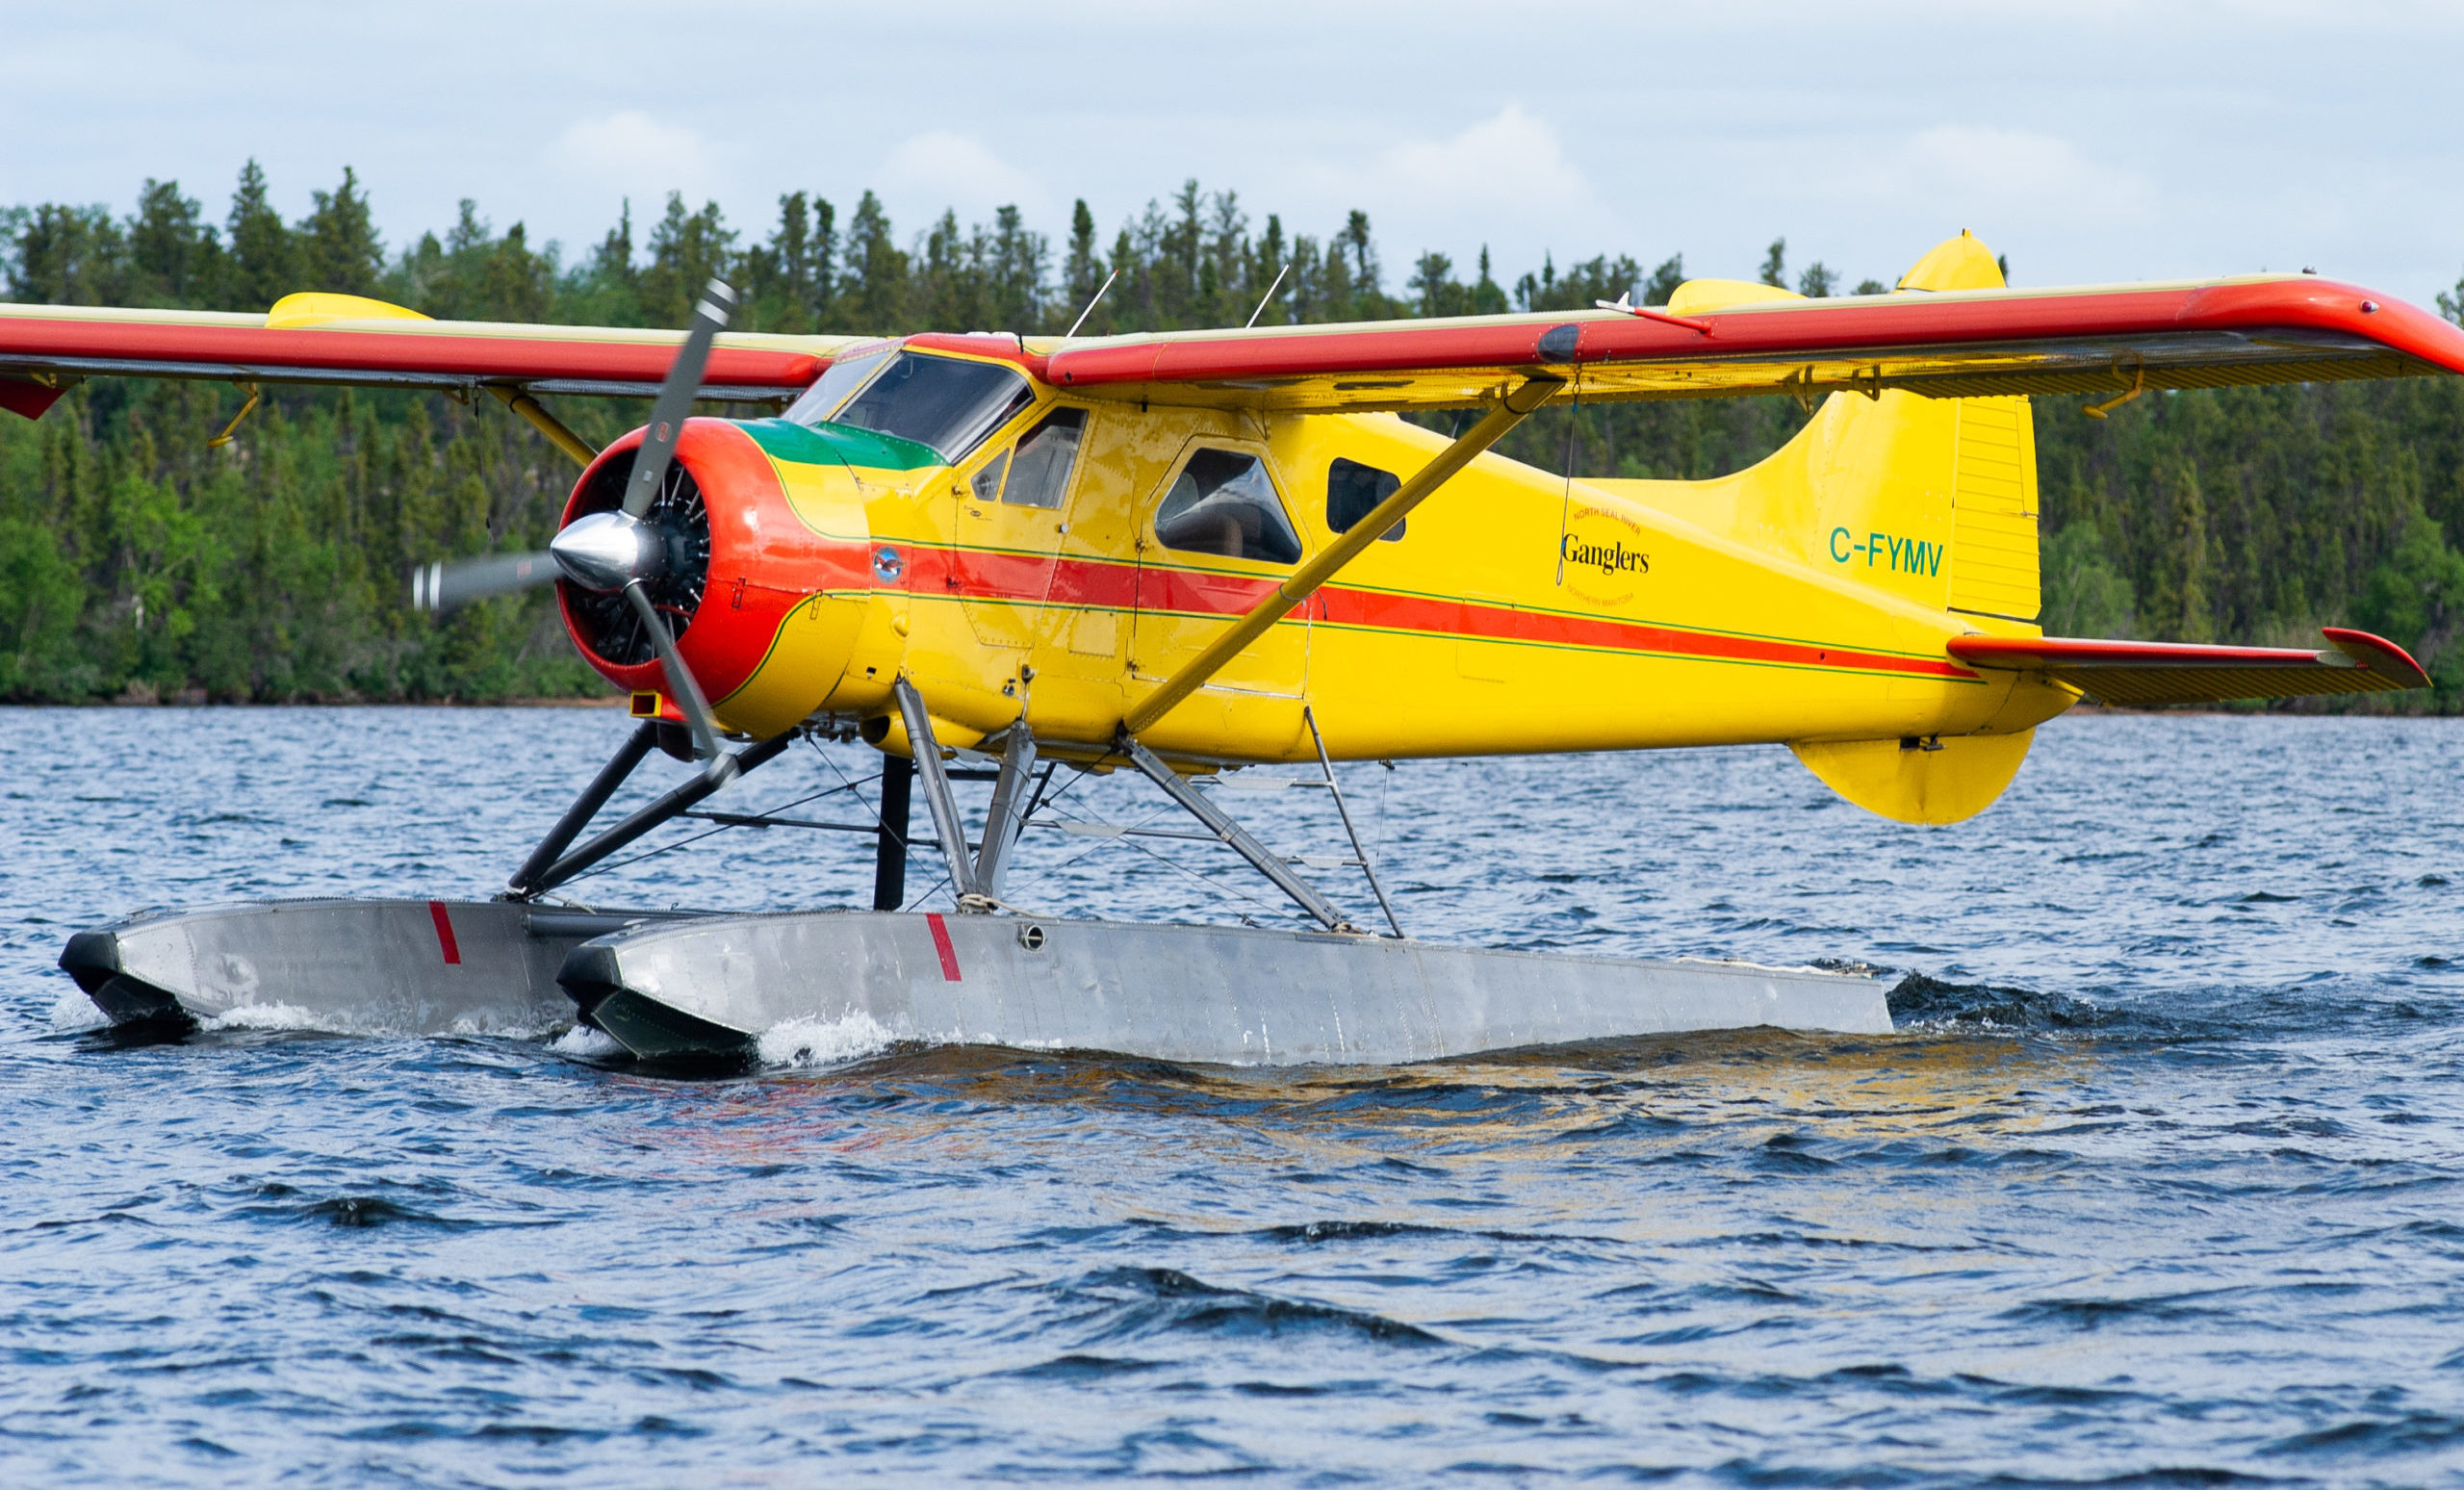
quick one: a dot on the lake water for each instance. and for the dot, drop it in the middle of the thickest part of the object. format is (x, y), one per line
(2158, 1184)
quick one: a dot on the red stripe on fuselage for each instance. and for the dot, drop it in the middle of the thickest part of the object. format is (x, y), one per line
(1022, 578)
(1506, 623)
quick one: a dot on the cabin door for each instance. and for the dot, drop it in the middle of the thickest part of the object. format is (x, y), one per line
(1216, 541)
(1007, 532)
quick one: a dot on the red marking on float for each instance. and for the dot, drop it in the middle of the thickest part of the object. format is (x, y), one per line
(942, 944)
(445, 942)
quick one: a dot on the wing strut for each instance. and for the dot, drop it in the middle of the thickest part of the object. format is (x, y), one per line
(1512, 409)
(559, 435)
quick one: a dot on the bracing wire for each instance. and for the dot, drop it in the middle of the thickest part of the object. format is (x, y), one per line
(687, 842)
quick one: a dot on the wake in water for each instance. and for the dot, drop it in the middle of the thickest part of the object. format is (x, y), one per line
(823, 1042)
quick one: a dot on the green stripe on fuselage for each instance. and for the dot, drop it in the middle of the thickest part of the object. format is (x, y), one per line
(831, 445)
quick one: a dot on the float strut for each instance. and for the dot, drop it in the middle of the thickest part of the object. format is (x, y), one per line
(947, 825)
(1234, 835)
(1010, 793)
(889, 857)
(614, 774)
(675, 804)
(1309, 717)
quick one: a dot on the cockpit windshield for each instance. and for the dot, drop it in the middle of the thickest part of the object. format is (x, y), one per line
(941, 401)
(844, 375)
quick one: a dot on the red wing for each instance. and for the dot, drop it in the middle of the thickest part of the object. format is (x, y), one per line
(2144, 673)
(1964, 344)
(44, 347)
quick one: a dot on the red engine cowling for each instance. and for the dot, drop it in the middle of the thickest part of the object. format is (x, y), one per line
(738, 561)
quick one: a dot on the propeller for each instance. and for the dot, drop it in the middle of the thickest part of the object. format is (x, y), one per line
(618, 552)
(444, 586)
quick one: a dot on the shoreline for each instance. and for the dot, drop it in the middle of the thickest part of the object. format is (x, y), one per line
(622, 701)
(612, 700)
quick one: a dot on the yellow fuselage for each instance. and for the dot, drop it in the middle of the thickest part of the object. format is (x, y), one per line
(1806, 599)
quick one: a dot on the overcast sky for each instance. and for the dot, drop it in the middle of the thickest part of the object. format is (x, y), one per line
(2086, 140)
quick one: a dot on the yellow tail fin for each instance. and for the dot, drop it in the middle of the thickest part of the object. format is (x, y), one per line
(1934, 500)
(1930, 500)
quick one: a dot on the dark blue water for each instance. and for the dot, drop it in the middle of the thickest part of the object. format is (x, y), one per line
(2158, 1186)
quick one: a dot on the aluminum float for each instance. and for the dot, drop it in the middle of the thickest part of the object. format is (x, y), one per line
(710, 989)
(394, 966)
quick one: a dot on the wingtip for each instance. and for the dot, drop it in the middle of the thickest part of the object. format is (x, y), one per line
(2379, 654)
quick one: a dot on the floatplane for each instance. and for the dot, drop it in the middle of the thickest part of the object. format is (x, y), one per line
(1185, 554)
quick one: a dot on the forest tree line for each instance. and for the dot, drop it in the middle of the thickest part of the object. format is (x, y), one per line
(137, 562)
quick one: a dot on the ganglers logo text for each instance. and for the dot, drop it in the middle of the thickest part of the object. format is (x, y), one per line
(1601, 558)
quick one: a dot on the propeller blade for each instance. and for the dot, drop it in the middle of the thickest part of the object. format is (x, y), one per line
(650, 475)
(444, 586)
(676, 398)
(679, 678)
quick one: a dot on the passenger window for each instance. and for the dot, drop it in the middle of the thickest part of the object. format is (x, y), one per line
(1353, 490)
(1039, 477)
(1223, 504)
(987, 481)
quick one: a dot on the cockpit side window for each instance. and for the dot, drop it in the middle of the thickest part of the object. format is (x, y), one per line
(944, 403)
(1040, 476)
(1222, 502)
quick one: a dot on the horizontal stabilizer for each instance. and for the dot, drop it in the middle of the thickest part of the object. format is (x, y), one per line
(2148, 673)
(24, 395)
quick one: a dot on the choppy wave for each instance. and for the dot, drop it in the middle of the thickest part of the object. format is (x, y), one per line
(1918, 1002)
(72, 1012)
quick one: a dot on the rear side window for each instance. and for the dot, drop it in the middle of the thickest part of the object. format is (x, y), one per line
(939, 402)
(1223, 504)
(1353, 490)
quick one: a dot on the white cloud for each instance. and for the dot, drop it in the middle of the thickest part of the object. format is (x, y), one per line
(1508, 168)
(1509, 163)
(633, 151)
(1504, 181)
(943, 168)
(2019, 176)
(1979, 161)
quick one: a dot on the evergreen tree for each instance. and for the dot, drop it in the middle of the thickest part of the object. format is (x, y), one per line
(338, 247)
(875, 289)
(1083, 272)
(1664, 280)
(687, 251)
(1433, 288)
(174, 256)
(1488, 297)
(1017, 262)
(264, 257)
